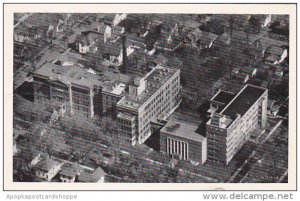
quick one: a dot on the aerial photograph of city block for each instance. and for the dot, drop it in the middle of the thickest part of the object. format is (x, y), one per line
(150, 98)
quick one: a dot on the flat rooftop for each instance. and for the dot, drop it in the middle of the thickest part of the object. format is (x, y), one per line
(242, 102)
(155, 80)
(223, 97)
(183, 130)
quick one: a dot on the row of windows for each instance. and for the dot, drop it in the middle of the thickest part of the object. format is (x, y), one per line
(81, 108)
(82, 102)
(79, 96)
(124, 122)
(125, 128)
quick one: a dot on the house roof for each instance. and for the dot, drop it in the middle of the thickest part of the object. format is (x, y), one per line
(168, 46)
(160, 60)
(133, 39)
(224, 38)
(70, 170)
(44, 19)
(88, 38)
(91, 177)
(241, 76)
(110, 48)
(47, 164)
(22, 29)
(202, 37)
(183, 130)
(247, 69)
(274, 50)
(99, 26)
(265, 84)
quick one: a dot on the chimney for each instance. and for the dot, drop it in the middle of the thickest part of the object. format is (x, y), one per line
(125, 59)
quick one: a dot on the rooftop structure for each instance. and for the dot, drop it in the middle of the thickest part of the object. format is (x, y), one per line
(154, 79)
(69, 74)
(153, 96)
(183, 130)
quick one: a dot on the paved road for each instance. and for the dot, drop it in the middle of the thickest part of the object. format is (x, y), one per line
(242, 171)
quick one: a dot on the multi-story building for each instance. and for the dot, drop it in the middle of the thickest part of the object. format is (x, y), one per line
(69, 86)
(134, 102)
(233, 118)
(80, 91)
(155, 96)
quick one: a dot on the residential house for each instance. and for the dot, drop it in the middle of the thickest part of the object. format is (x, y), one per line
(273, 107)
(279, 71)
(222, 40)
(70, 172)
(169, 46)
(96, 176)
(160, 60)
(265, 84)
(201, 38)
(113, 52)
(242, 77)
(103, 29)
(24, 33)
(170, 38)
(36, 158)
(235, 70)
(15, 148)
(267, 20)
(275, 54)
(118, 30)
(54, 22)
(114, 19)
(102, 158)
(251, 71)
(86, 42)
(47, 168)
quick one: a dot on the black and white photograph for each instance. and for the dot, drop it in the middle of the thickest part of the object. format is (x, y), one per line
(129, 97)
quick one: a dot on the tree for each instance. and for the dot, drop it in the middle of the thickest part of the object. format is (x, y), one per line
(255, 23)
(23, 172)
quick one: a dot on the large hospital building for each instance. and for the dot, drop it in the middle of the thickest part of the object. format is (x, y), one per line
(135, 102)
(233, 118)
(155, 96)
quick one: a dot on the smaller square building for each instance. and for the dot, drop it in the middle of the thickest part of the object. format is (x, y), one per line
(183, 141)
